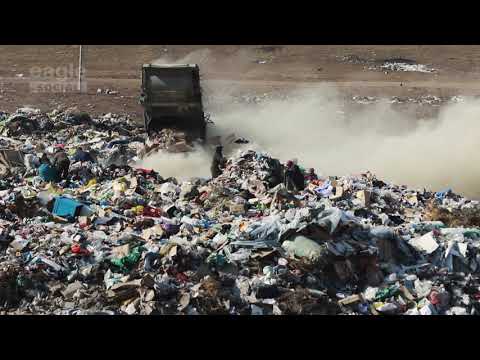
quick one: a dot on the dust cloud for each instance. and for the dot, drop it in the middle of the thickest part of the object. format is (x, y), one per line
(214, 66)
(315, 128)
(201, 57)
(182, 166)
(211, 62)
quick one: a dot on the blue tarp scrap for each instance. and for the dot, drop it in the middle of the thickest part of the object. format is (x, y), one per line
(442, 194)
(66, 207)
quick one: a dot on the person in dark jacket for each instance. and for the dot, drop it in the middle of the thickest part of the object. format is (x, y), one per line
(62, 163)
(82, 156)
(218, 162)
(310, 176)
(275, 172)
(294, 180)
(288, 176)
(20, 206)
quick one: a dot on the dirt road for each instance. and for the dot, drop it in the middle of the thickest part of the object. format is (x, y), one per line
(253, 69)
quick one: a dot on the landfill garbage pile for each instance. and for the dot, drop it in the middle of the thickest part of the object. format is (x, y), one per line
(115, 239)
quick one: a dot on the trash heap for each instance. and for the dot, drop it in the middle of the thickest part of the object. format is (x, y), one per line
(168, 140)
(115, 239)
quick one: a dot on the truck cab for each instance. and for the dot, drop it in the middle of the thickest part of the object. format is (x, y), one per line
(171, 98)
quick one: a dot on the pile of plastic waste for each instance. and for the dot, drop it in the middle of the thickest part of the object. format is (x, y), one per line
(115, 239)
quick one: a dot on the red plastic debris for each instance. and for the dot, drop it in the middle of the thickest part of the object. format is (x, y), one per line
(181, 277)
(152, 212)
(145, 171)
(436, 232)
(77, 249)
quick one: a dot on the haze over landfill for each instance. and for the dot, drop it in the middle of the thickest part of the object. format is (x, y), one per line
(353, 110)
(330, 180)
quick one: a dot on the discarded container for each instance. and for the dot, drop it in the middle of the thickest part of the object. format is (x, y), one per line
(66, 207)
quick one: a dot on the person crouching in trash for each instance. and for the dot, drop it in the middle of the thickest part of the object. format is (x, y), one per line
(47, 172)
(310, 176)
(218, 162)
(275, 176)
(62, 164)
(294, 180)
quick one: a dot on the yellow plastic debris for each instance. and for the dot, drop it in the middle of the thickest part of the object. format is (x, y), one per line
(138, 209)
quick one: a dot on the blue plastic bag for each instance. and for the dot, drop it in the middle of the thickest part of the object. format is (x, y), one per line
(442, 194)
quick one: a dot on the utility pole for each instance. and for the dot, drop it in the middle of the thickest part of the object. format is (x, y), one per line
(80, 69)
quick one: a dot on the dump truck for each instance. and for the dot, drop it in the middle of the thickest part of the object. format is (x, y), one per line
(171, 98)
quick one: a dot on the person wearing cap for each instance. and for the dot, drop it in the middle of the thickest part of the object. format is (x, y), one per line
(310, 176)
(62, 163)
(275, 172)
(294, 180)
(218, 162)
(288, 176)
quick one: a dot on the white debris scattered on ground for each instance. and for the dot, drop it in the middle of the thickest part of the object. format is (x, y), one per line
(426, 99)
(399, 66)
(358, 99)
(260, 98)
(106, 92)
(457, 99)
(365, 99)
